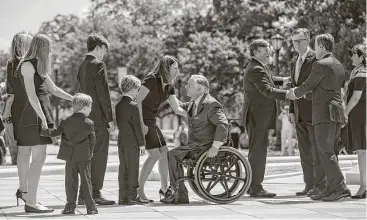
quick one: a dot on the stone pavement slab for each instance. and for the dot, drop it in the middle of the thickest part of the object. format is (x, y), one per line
(285, 206)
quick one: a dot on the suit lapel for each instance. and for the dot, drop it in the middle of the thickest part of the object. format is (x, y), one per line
(303, 67)
(293, 70)
(200, 105)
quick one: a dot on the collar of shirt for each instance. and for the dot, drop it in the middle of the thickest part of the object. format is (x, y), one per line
(197, 100)
(129, 97)
(259, 61)
(91, 54)
(328, 53)
(304, 55)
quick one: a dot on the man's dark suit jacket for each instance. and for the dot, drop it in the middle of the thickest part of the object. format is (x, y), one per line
(128, 123)
(209, 124)
(77, 137)
(92, 78)
(302, 108)
(325, 81)
(260, 94)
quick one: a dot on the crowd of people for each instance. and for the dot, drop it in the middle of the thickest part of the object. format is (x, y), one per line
(322, 101)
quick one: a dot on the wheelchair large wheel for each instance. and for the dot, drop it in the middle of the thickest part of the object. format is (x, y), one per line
(224, 178)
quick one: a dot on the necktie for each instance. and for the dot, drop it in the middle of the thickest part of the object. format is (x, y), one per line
(298, 69)
(193, 109)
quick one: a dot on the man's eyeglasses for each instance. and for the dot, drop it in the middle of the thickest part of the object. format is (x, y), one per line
(298, 41)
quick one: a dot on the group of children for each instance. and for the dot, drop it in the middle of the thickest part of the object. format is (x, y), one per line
(78, 140)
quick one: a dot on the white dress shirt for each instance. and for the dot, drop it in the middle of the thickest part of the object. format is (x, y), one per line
(299, 64)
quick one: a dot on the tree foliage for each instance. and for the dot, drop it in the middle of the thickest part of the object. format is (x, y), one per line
(209, 37)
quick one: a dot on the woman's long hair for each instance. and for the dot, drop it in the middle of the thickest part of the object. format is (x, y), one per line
(19, 47)
(39, 49)
(163, 67)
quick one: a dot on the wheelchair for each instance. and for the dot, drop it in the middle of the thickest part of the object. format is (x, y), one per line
(222, 179)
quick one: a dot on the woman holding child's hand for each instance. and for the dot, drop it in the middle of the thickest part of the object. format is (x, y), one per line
(157, 87)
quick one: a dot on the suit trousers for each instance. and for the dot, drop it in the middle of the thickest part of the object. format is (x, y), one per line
(326, 137)
(313, 172)
(72, 169)
(128, 172)
(99, 160)
(258, 144)
(176, 170)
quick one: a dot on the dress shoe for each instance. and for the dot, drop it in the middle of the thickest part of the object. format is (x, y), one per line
(172, 200)
(103, 201)
(303, 192)
(263, 194)
(326, 193)
(336, 195)
(92, 211)
(68, 211)
(37, 209)
(360, 196)
(314, 191)
(137, 201)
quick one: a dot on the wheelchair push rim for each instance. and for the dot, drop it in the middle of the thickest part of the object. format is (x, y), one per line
(224, 178)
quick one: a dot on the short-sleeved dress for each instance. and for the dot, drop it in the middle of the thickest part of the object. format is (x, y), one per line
(27, 125)
(156, 96)
(357, 116)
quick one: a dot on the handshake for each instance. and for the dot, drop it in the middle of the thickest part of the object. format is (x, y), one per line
(290, 94)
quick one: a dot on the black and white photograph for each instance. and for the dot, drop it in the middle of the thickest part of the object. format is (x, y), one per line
(183, 109)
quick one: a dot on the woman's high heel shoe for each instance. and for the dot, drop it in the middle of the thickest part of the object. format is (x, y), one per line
(167, 194)
(19, 195)
(360, 196)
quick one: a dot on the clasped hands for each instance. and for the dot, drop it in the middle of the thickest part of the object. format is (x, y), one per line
(290, 94)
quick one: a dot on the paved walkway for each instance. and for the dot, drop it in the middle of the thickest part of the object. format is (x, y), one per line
(284, 206)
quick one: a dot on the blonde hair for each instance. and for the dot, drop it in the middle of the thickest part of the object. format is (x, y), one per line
(39, 49)
(19, 47)
(81, 100)
(128, 83)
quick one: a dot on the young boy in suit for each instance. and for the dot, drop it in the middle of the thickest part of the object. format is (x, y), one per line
(77, 144)
(130, 140)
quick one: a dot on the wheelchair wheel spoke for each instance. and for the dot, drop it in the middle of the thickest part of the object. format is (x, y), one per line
(235, 177)
(214, 184)
(225, 186)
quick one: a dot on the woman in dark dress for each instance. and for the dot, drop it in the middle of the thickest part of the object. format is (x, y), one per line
(156, 88)
(355, 112)
(31, 109)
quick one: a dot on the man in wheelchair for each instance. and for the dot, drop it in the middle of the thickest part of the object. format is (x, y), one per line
(208, 128)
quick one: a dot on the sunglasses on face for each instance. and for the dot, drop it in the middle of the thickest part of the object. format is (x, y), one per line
(298, 41)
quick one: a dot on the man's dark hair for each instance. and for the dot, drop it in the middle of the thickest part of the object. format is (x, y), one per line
(326, 40)
(95, 40)
(256, 44)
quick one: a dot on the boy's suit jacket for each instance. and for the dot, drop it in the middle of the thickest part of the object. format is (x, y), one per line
(128, 123)
(209, 124)
(325, 81)
(92, 78)
(77, 137)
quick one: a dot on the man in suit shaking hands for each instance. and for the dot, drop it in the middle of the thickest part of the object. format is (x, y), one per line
(259, 111)
(300, 114)
(208, 128)
(325, 81)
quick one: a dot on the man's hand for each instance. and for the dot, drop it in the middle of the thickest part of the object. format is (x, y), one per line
(292, 118)
(111, 126)
(145, 129)
(345, 119)
(287, 80)
(213, 151)
(290, 94)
